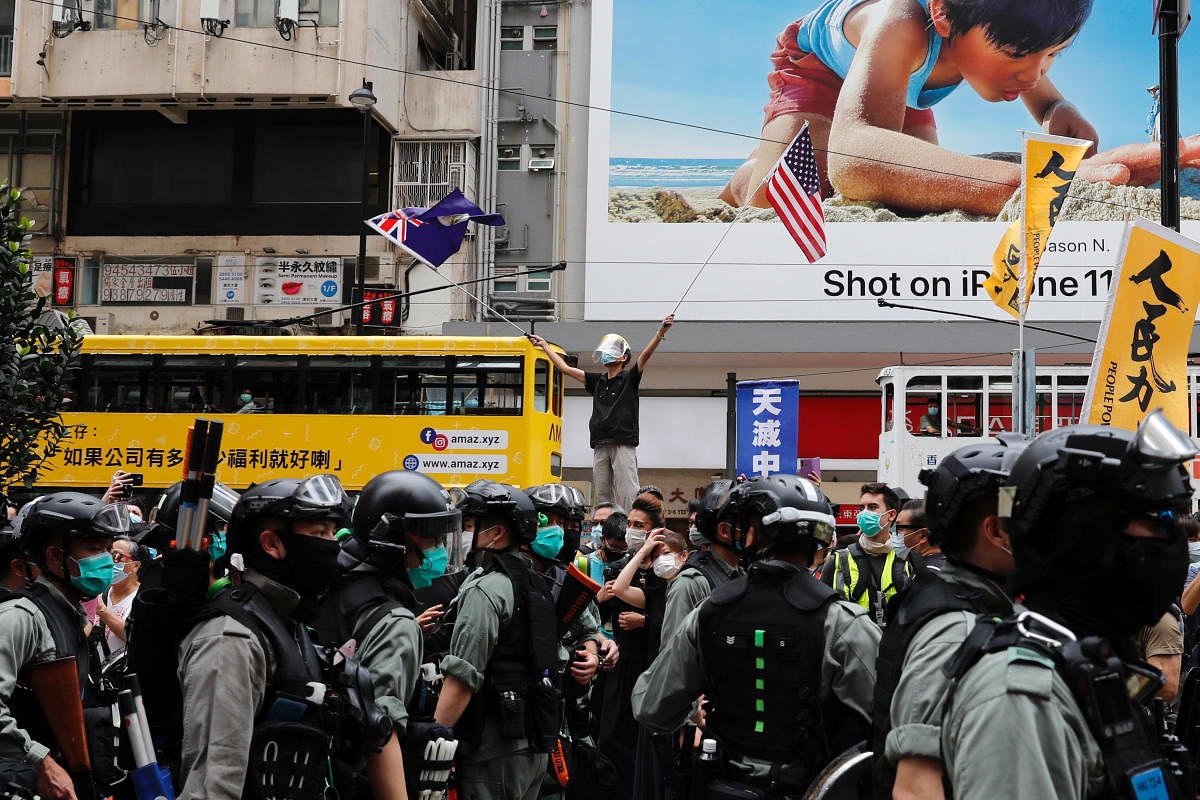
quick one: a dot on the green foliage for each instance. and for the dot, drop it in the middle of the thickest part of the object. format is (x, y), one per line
(37, 351)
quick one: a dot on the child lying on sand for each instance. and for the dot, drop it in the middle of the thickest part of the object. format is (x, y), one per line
(864, 74)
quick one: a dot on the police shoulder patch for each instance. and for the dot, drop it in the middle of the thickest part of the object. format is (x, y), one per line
(1029, 672)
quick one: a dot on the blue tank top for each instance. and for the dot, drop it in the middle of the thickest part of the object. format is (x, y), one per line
(821, 34)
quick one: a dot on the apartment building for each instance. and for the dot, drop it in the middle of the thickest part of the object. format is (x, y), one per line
(190, 163)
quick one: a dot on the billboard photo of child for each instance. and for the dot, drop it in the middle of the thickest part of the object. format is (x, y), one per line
(867, 76)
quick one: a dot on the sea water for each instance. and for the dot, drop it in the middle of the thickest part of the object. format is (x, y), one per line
(695, 173)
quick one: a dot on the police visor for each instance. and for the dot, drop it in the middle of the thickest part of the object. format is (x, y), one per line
(320, 493)
(112, 520)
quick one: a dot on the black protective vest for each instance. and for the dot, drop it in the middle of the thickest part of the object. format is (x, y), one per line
(924, 598)
(292, 736)
(1138, 761)
(521, 680)
(706, 564)
(66, 630)
(361, 597)
(762, 639)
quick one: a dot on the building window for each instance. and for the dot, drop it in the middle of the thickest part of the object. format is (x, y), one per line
(538, 281)
(545, 37)
(512, 37)
(427, 171)
(261, 13)
(507, 281)
(7, 16)
(509, 157)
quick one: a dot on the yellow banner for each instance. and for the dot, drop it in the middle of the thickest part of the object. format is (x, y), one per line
(1140, 361)
(1048, 167)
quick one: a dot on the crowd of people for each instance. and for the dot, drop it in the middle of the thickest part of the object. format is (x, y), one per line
(1011, 635)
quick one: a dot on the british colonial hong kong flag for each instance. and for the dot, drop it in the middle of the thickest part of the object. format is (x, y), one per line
(432, 234)
(795, 193)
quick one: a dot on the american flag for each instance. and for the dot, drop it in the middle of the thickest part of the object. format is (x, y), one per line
(794, 190)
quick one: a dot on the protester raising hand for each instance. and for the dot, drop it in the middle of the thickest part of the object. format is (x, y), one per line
(623, 587)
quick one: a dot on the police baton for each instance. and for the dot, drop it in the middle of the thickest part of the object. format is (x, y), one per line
(150, 781)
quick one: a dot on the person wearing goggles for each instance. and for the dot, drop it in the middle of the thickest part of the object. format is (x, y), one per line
(614, 422)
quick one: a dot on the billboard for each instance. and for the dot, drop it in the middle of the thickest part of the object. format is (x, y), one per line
(681, 90)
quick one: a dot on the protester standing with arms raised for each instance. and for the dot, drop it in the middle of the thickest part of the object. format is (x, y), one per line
(614, 423)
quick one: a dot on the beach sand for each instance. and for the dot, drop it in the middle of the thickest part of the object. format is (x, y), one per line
(1087, 201)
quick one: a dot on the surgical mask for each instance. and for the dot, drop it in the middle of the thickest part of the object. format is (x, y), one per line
(597, 537)
(549, 541)
(897, 542)
(216, 545)
(245, 398)
(118, 572)
(635, 539)
(1193, 552)
(433, 565)
(870, 522)
(134, 515)
(607, 358)
(933, 409)
(95, 575)
(696, 537)
(665, 566)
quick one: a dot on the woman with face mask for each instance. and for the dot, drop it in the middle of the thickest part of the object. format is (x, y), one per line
(114, 605)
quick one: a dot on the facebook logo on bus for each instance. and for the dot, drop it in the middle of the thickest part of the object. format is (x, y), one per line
(768, 427)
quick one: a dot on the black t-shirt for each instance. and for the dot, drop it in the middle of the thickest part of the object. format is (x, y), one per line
(614, 406)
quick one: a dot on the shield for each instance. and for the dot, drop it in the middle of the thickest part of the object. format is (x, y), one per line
(843, 777)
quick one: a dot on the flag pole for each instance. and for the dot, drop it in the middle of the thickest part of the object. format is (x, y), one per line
(477, 299)
(1023, 289)
(737, 217)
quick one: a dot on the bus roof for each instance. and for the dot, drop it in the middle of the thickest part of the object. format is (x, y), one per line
(336, 345)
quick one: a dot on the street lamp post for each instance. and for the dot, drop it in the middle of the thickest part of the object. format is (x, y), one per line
(363, 99)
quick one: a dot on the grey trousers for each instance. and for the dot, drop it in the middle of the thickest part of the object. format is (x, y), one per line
(614, 473)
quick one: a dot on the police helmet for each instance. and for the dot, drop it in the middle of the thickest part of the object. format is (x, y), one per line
(10, 544)
(708, 514)
(786, 510)
(962, 478)
(487, 498)
(1128, 471)
(405, 502)
(266, 499)
(554, 497)
(580, 506)
(220, 507)
(70, 514)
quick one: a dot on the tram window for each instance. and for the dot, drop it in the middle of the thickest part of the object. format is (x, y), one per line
(1071, 389)
(339, 385)
(999, 406)
(117, 383)
(924, 392)
(889, 396)
(1044, 415)
(541, 385)
(401, 379)
(271, 381)
(965, 405)
(558, 392)
(488, 386)
(191, 384)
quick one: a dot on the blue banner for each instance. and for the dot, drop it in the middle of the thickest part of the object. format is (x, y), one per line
(768, 424)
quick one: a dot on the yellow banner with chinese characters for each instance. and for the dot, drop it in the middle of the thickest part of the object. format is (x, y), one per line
(1140, 361)
(1048, 165)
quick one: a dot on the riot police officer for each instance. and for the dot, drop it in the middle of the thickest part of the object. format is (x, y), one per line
(69, 536)
(1047, 703)
(501, 688)
(259, 720)
(401, 523)
(704, 570)
(932, 616)
(788, 669)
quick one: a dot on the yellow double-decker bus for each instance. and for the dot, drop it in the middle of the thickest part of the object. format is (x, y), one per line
(454, 407)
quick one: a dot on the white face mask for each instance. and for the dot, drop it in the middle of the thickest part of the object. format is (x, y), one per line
(635, 539)
(665, 566)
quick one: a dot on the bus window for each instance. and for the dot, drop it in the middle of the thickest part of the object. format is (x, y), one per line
(889, 396)
(339, 385)
(488, 386)
(558, 392)
(964, 405)
(271, 381)
(924, 392)
(403, 385)
(191, 384)
(117, 383)
(541, 385)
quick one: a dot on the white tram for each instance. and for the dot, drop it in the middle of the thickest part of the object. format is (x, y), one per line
(973, 403)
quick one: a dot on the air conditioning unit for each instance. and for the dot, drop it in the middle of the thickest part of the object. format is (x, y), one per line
(288, 11)
(210, 9)
(210, 17)
(64, 12)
